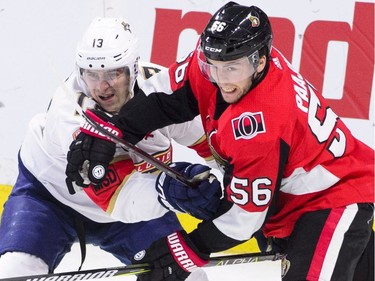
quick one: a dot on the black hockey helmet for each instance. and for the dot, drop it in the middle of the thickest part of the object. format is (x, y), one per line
(236, 31)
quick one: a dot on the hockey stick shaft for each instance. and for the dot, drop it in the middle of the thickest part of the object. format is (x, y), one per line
(128, 146)
(142, 268)
(139, 152)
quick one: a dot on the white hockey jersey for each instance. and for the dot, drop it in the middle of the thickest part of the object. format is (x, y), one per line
(50, 134)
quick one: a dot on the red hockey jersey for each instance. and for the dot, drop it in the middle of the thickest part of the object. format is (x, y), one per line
(284, 150)
(283, 141)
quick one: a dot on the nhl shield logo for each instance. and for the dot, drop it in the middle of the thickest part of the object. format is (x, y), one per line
(248, 125)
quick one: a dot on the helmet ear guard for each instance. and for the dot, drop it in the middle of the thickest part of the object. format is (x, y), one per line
(254, 59)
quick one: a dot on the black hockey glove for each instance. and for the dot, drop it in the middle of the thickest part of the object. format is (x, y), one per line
(90, 154)
(201, 202)
(173, 258)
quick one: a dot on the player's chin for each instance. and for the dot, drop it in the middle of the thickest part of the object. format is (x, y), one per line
(111, 107)
(231, 96)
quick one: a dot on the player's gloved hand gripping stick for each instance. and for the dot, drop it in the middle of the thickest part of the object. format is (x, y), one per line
(90, 154)
(92, 151)
(94, 148)
(202, 201)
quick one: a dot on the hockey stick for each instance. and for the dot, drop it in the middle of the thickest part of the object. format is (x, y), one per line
(143, 268)
(139, 152)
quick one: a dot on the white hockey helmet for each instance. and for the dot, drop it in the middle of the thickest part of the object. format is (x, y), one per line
(109, 43)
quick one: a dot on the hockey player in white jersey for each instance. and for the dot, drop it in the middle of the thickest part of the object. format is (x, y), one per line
(42, 219)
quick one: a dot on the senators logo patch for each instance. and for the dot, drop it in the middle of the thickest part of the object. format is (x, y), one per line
(248, 125)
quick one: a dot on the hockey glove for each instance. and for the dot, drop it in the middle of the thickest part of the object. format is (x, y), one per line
(173, 258)
(201, 202)
(90, 153)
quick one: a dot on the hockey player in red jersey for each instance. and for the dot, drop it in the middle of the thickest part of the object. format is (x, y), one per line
(292, 167)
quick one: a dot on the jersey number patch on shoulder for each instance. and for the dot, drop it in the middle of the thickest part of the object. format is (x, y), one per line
(180, 71)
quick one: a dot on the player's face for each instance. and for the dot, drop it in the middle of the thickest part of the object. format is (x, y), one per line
(234, 78)
(109, 88)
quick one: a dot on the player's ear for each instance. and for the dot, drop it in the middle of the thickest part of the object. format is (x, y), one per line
(262, 64)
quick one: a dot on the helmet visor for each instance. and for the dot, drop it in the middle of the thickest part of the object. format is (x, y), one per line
(228, 71)
(111, 75)
(92, 82)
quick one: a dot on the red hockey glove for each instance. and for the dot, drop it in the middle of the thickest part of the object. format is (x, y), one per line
(90, 153)
(173, 258)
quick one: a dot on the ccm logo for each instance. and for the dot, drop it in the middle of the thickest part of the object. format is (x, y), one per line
(213, 50)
